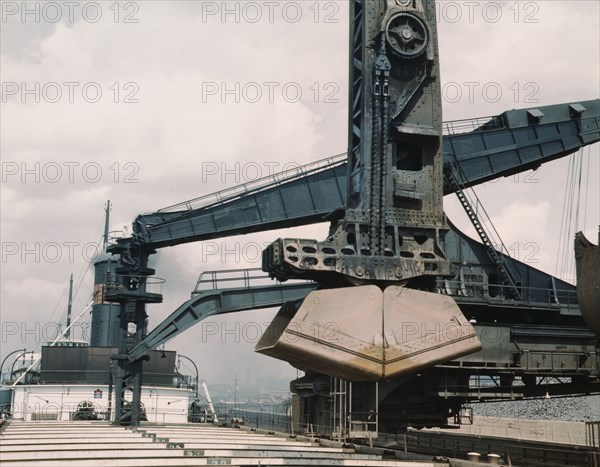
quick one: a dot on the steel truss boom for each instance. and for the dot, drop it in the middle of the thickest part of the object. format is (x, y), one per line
(500, 146)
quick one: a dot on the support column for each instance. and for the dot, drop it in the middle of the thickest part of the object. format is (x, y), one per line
(132, 294)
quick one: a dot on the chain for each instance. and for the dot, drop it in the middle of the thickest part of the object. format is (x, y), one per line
(380, 136)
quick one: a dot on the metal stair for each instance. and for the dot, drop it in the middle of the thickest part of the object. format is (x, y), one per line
(489, 237)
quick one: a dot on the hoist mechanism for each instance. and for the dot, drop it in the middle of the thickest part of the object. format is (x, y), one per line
(379, 265)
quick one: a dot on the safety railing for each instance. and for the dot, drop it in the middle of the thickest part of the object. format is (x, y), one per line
(363, 425)
(300, 171)
(460, 290)
(114, 236)
(244, 189)
(592, 438)
(135, 282)
(236, 278)
(498, 293)
(273, 416)
(456, 127)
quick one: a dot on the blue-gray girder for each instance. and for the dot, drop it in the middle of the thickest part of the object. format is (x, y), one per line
(213, 302)
(219, 302)
(512, 142)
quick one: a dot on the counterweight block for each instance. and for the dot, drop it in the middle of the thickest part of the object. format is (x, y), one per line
(365, 334)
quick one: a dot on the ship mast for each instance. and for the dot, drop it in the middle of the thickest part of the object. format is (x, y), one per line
(106, 223)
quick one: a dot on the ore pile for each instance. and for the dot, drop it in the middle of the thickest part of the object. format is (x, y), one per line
(569, 409)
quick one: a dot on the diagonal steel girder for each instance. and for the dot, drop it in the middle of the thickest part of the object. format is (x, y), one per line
(219, 302)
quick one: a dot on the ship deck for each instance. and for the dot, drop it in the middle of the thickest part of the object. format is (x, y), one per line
(97, 444)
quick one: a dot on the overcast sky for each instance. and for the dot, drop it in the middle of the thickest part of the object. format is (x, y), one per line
(150, 103)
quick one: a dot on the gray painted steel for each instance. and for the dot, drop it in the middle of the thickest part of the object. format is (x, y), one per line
(217, 302)
(483, 155)
(513, 142)
(105, 316)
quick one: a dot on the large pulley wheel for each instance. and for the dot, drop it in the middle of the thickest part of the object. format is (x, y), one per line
(407, 35)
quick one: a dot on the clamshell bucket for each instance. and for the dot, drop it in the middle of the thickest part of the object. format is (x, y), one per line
(365, 334)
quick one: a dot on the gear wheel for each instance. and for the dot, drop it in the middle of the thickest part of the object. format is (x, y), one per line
(407, 35)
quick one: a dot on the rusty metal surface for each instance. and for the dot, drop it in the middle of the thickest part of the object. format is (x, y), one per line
(427, 328)
(363, 334)
(587, 259)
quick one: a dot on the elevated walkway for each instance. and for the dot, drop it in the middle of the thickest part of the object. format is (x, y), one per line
(513, 142)
(229, 291)
(248, 289)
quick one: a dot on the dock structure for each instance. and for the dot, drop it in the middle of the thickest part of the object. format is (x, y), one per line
(100, 444)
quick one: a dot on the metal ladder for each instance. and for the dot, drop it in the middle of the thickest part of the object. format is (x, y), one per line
(490, 237)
